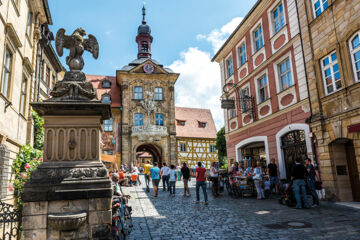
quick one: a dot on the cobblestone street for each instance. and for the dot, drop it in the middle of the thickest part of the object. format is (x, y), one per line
(179, 217)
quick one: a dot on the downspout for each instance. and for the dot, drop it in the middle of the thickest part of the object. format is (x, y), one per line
(307, 85)
(41, 62)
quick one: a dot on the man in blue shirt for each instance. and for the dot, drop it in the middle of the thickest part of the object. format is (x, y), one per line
(155, 176)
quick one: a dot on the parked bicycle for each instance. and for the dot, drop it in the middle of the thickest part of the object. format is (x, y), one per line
(122, 221)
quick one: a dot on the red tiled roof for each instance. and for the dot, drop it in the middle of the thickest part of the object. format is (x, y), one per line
(193, 118)
(114, 91)
(145, 155)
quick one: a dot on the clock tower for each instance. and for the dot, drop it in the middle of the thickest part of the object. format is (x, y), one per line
(144, 38)
(148, 105)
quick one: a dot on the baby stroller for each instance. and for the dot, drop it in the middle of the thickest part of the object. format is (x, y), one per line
(287, 195)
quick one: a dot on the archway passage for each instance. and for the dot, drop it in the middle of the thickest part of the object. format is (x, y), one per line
(293, 145)
(153, 150)
(342, 153)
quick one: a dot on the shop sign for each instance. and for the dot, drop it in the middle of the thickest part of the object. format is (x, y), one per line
(354, 128)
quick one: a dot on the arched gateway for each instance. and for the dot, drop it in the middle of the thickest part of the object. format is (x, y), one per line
(155, 151)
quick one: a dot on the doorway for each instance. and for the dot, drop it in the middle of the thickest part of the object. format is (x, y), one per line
(154, 151)
(342, 153)
(293, 145)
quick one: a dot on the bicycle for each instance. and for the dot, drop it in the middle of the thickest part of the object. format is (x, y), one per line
(122, 221)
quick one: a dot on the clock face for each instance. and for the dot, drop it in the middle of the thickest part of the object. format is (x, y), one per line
(148, 68)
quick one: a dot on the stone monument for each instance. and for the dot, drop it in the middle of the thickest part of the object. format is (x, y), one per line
(69, 195)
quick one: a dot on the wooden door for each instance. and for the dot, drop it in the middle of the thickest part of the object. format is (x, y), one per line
(353, 170)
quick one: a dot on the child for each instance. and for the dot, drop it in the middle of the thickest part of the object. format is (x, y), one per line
(267, 185)
(173, 176)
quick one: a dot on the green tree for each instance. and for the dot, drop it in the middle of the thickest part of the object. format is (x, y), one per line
(38, 131)
(221, 147)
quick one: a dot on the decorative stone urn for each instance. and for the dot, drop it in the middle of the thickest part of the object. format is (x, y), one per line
(69, 195)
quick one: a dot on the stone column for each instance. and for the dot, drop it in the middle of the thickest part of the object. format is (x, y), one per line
(69, 195)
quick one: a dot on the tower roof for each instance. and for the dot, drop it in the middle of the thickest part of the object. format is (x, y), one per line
(144, 29)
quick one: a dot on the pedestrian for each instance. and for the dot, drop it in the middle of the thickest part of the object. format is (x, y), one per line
(137, 172)
(194, 168)
(298, 173)
(155, 176)
(214, 174)
(165, 177)
(200, 182)
(172, 178)
(185, 172)
(267, 187)
(311, 181)
(147, 168)
(178, 173)
(273, 173)
(257, 177)
(123, 180)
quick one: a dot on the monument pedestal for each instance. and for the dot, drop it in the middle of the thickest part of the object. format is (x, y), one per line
(69, 196)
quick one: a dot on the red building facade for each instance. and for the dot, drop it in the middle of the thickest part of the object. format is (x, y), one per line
(262, 68)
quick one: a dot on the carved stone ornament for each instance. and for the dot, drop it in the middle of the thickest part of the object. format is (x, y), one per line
(67, 221)
(69, 173)
(74, 85)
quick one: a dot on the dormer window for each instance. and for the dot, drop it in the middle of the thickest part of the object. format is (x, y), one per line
(106, 83)
(202, 124)
(180, 122)
(106, 98)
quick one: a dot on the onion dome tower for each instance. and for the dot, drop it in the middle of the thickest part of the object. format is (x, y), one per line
(144, 38)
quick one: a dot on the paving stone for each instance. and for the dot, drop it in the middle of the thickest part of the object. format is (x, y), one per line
(179, 217)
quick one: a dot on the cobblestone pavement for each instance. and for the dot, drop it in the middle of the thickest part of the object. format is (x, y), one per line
(179, 217)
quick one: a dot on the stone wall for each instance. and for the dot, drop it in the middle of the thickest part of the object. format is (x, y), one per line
(333, 113)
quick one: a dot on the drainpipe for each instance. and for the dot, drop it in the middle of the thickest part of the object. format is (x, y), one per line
(41, 62)
(307, 86)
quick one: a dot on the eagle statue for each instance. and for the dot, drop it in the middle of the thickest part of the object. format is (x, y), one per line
(77, 44)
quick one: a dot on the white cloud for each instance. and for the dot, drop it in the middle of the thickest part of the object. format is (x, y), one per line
(217, 37)
(199, 84)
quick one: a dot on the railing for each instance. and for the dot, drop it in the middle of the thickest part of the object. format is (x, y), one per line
(10, 222)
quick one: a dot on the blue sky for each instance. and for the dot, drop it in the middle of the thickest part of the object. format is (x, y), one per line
(186, 35)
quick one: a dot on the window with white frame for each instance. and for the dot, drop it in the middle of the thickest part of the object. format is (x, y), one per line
(159, 93)
(182, 147)
(108, 125)
(159, 119)
(6, 77)
(212, 148)
(232, 113)
(138, 93)
(229, 67)
(138, 119)
(284, 69)
(23, 96)
(244, 93)
(262, 85)
(242, 54)
(319, 6)
(355, 55)
(278, 18)
(331, 73)
(258, 38)
(106, 98)
(28, 25)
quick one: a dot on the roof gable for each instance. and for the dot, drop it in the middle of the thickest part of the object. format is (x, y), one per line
(158, 69)
(193, 118)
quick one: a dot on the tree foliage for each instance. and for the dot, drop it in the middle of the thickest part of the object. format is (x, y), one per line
(38, 131)
(221, 146)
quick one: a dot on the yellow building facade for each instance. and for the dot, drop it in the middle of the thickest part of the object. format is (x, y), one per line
(195, 137)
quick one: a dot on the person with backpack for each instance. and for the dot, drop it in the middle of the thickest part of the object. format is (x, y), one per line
(310, 181)
(185, 172)
(147, 168)
(200, 174)
(172, 178)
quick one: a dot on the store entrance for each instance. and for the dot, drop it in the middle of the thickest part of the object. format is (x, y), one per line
(252, 153)
(293, 145)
